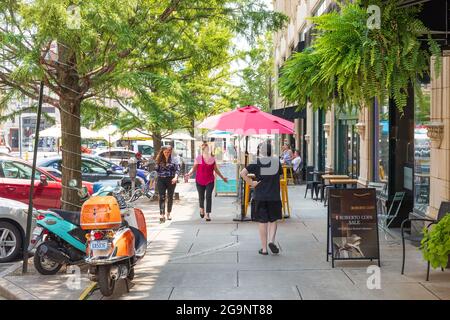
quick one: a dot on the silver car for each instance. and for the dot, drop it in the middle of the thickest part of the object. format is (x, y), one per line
(13, 223)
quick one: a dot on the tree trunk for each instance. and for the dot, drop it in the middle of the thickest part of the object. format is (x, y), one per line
(71, 149)
(156, 136)
(70, 102)
(191, 132)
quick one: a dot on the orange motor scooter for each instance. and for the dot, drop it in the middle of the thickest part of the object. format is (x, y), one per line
(116, 241)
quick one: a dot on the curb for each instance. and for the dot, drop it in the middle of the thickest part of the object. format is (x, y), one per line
(9, 290)
(12, 292)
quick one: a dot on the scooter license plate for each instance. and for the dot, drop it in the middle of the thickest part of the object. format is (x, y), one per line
(99, 245)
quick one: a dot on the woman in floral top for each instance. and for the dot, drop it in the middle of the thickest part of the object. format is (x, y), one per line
(168, 170)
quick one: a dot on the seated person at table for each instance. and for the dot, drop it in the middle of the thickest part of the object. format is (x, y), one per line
(286, 154)
(296, 162)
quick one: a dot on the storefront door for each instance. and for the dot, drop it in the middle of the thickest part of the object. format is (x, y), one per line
(347, 148)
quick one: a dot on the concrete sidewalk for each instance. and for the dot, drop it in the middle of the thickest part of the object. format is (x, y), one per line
(189, 258)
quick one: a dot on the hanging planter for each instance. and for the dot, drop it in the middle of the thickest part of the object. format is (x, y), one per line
(350, 65)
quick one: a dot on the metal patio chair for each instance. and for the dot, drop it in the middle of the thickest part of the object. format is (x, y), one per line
(396, 204)
(444, 209)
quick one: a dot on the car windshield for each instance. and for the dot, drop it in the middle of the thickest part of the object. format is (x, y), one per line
(145, 150)
(92, 167)
(18, 170)
(104, 162)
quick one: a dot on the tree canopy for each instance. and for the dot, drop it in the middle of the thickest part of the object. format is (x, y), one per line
(88, 51)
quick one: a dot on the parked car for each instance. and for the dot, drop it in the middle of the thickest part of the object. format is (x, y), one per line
(13, 223)
(145, 148)
(108, 164)
(92, 171)
(15, 181)
(118, 156)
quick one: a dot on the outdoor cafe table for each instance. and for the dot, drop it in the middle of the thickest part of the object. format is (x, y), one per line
(334, 176)
(325, 178)
(344, 182)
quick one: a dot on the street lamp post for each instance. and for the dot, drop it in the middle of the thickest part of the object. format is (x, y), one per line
(20, 136)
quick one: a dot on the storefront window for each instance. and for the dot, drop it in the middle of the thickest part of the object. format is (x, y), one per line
(422, 149)
(347, 148)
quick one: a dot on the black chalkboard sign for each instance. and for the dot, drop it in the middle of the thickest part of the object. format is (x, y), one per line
(352, 225)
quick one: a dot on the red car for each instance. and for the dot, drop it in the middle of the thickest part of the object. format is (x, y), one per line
(15, 182)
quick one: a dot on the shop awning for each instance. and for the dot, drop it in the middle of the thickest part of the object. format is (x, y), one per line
(435, 16)
(289, 113)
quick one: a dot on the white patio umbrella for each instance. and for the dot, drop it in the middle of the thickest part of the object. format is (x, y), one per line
(55, 132)
(180, 136)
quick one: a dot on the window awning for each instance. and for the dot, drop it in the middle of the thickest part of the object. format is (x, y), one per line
(289, 113)
(435, 16)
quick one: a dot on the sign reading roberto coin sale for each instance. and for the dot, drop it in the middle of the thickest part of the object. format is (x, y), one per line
(352, 224)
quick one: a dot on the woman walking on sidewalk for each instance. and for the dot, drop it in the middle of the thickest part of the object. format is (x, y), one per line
(266, 170)
(167, 170)
(205, 165)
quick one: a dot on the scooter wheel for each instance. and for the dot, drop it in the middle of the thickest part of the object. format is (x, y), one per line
(105, 282)
(43, 264)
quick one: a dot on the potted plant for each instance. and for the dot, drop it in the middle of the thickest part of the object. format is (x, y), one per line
(435, 245)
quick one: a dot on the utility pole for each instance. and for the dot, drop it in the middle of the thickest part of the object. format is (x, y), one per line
(33, 173)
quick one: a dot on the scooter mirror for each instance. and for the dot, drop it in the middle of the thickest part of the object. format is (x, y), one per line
(73, 183)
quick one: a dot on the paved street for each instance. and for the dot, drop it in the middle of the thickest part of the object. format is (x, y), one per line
(189, 258)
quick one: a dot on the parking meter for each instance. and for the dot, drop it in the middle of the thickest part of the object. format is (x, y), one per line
(132, 172)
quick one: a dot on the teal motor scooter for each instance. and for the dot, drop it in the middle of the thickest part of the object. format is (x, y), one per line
(58, 237)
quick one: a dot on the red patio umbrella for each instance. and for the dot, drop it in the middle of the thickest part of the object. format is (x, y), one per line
(246, 121)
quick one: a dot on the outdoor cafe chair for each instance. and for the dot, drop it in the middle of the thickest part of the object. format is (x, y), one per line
(396, 204)
(444, 209)
(310, 180)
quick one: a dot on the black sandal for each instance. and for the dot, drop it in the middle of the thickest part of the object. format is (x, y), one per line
(162, 219)
(202, 215)
(263, 253)
(208, 219)
(273, 248)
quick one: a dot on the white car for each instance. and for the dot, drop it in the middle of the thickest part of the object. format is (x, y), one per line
(13, 223)
(117, 156)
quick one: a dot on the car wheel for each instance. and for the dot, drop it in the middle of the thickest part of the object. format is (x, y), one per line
(10, 241)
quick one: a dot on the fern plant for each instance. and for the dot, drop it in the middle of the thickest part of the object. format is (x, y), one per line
(349, 64)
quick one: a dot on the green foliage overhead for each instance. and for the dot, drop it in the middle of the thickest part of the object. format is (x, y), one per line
(435, 244)
(349, 64)
(256, 79)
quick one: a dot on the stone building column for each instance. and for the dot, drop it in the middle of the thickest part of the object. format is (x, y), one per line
(309, 134)
(329, 135)
(298, 136)
(364, 127)
(439, 132)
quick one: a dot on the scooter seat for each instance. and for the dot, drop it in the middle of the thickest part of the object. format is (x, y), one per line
(139, 239)
(70, 216)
